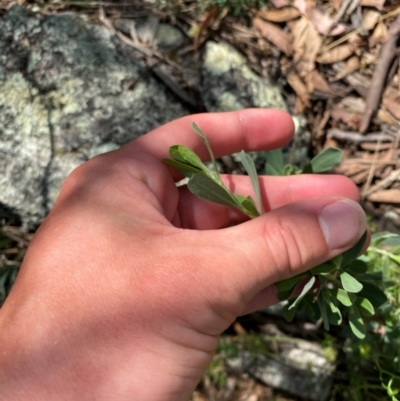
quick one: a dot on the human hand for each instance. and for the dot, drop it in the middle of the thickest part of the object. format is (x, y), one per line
(129, 282)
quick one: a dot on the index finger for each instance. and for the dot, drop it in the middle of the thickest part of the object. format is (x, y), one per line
(229, 132)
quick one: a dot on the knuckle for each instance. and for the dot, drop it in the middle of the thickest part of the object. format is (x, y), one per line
(83, 176)
(286, 246)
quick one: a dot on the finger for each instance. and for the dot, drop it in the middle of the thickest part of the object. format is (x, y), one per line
(250, 129)
(198, 214)
(288, 241)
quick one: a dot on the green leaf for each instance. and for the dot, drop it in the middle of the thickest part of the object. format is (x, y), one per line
(323, 268)
(289, 283)
(289, 311)
(200, 133)
(183, 168)
(289, 170)
(343, 297)
(337, 261)
(385, 238)
(307, 287)
(247, 204)
(356, 323)
(274, 164)
(353, 252)
(374, 294)
(365, 306)
(311, 309)
(357, 267)
(332, 311)
(394, 258)
(334, 314)
(322, 307)
(185, 155)
(324, 161)
(206, 188)
(284, 295)
(249, 166)
(350, 284)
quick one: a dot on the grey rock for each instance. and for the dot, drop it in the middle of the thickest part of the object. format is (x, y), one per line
(299, 367)
(68, 89)
(228, 83)
(297, 152)
(169, 38)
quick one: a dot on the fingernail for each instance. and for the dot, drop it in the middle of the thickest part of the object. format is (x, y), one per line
(341, 222)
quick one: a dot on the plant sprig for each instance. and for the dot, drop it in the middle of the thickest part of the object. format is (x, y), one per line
(345, 288)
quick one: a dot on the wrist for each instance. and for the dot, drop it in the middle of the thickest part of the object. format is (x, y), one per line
(52, 366)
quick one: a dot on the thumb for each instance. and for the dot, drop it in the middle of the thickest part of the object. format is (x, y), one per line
(292, 239)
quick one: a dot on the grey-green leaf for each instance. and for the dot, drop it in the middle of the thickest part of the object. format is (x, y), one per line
(350, 284)
(343, 297)
(305, 290)
(288, 311)
(183, 168)
(356, 323)
(352, 253)
(285, 294)
(323, 268)
(365, 306)
(249, 166)
(332, 311)
(274, 162)
(199, 132)
(289, 283)
(324, 315)
(357, 267)
(374, 294)
(206, 188)
(248, 205)
(324, 161)
(334, 314)
(185, 155)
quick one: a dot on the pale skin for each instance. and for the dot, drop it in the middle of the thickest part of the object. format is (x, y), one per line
(129, 281)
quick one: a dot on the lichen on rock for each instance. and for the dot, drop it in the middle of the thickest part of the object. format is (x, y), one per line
(67, 87)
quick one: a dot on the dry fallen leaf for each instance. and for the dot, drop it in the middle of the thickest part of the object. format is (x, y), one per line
(349, 110)
(386, 117)
(281, 15)
(300, 88)
(316, 82)
(375, 147)
(323, 22)
(352, 65)
(210, 17)
(306, 45)
(335, 55)
(373, 3)
(279, 3)
(391, 100)
(378, 36)
(385, 196)
(274, 34)
(336, 4)
(370, 19)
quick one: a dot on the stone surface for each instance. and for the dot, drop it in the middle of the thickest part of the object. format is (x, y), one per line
(68, 90)
(299, 367)
(228, 83)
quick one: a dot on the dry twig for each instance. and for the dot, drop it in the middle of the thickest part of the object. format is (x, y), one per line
(378, 80)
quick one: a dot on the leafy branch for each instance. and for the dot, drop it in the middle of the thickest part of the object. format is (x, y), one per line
(332, 291)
